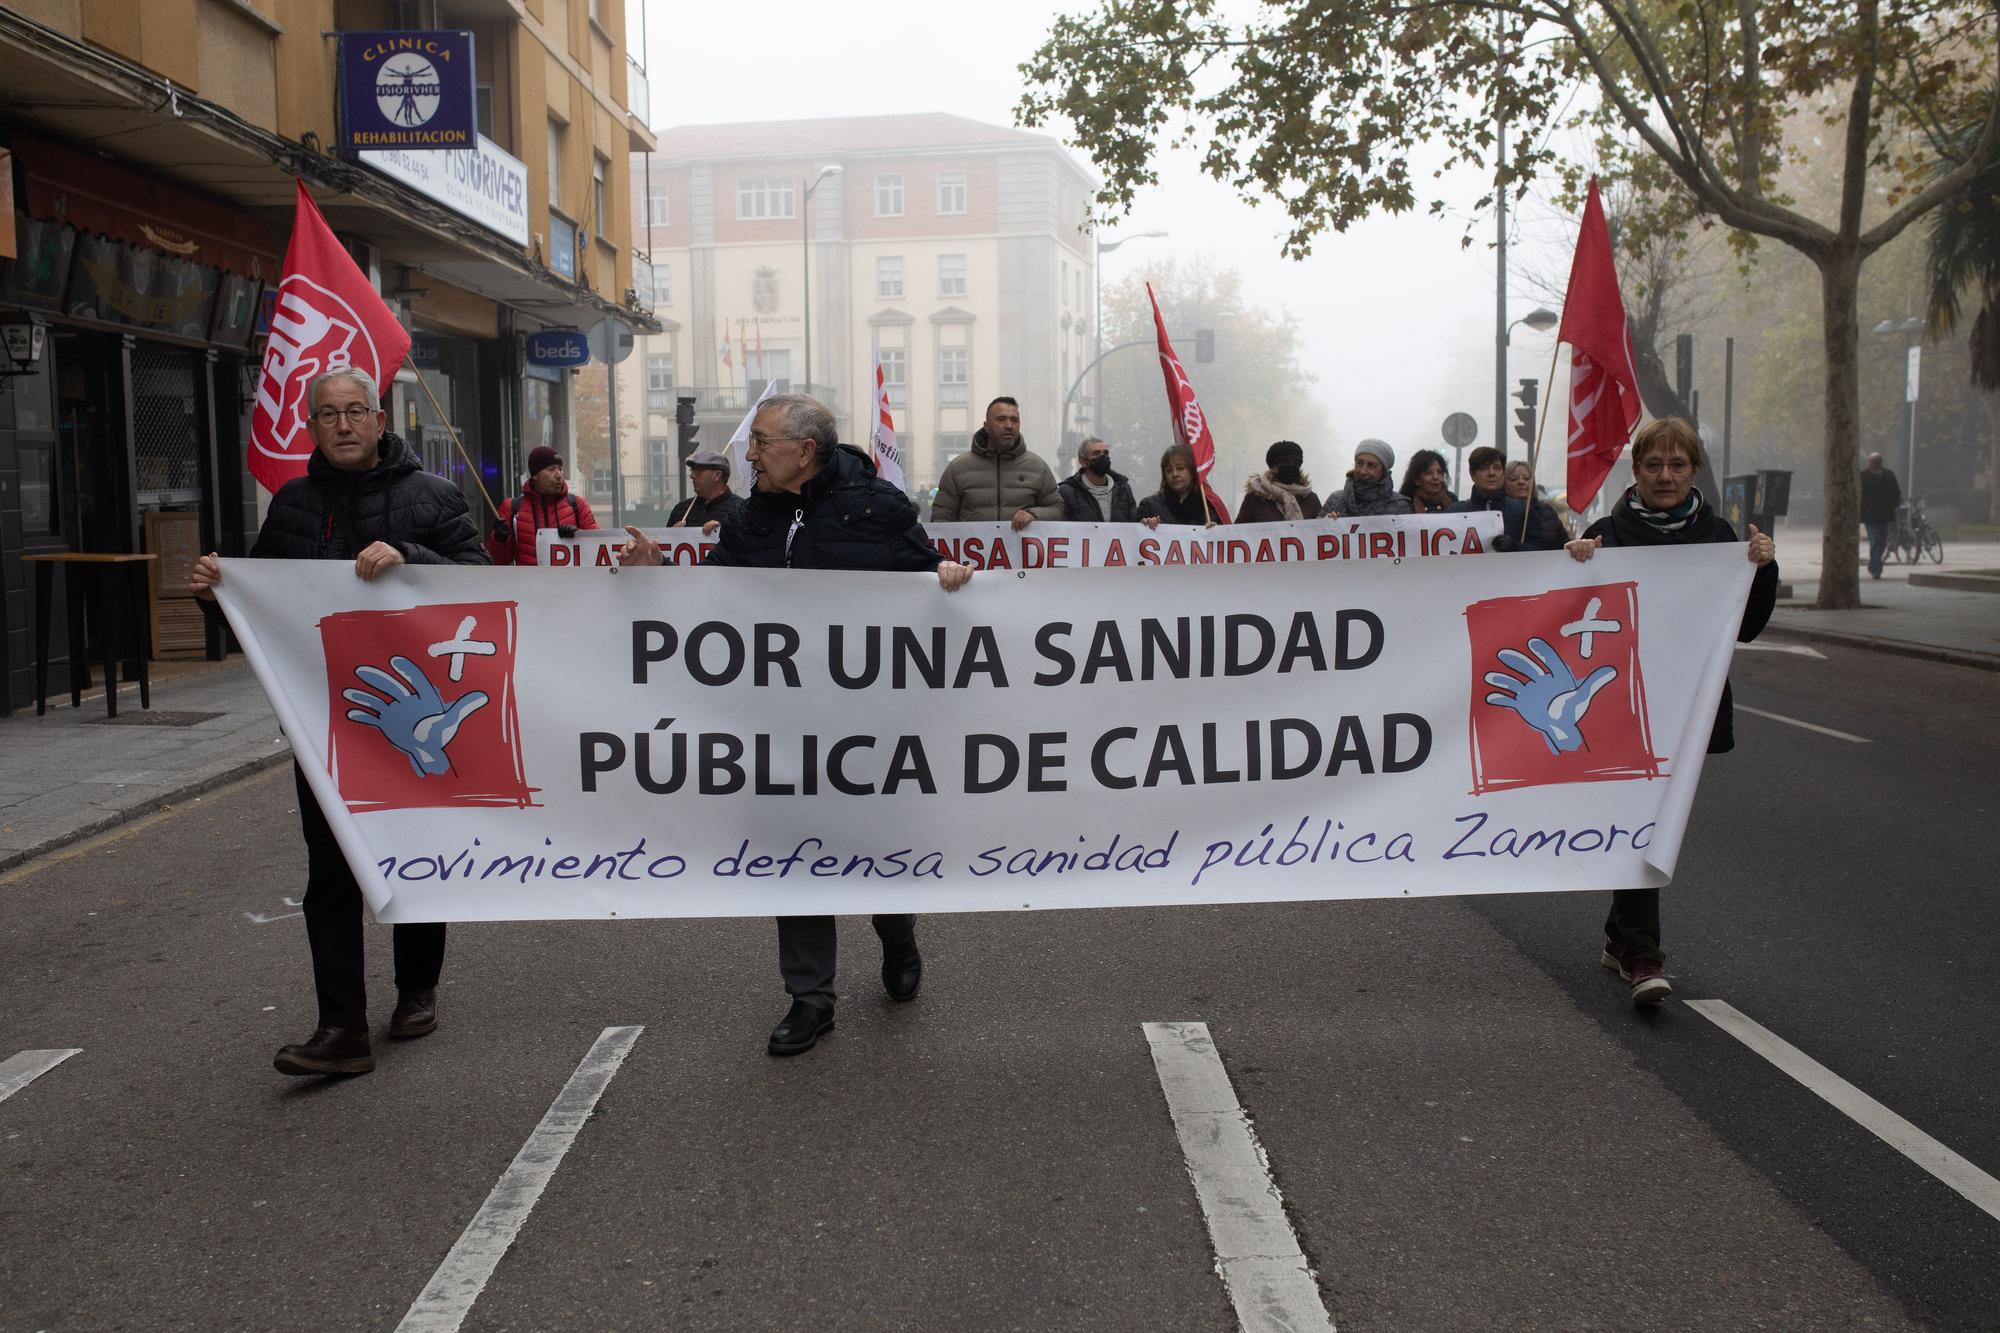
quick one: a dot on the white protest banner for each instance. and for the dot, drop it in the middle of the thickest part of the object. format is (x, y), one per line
(492, 745)
(1109, 545)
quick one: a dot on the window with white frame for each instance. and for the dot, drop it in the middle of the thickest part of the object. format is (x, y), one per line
(951, 192)
(600, 482)
(951, 275)
(600, 196)
(1063, 286)
(954, 376)
(761, 198)
(889, 275)
(660, 382)
(896, 375)
(663, 284)
(889, 196)
(656, 206)
(660, 466)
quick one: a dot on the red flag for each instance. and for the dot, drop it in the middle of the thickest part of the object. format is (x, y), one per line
(328, 318)
(1190, 424)
(1603, 386)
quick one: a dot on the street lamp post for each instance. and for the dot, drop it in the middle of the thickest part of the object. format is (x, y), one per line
(1097, 320)
(805, 229)
(1912, 326)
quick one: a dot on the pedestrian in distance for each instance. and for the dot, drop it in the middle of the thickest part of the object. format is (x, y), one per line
(1180, 501)
(1881, 496)
(545, 501)
(1368, 493)
(363, 499)
(712, 501)
(997, 478)
(1529, 523)
(819, 505)
(1427, 483)
(1094, 493)
(1663, 508)
(1282, 491)
(1487, 467)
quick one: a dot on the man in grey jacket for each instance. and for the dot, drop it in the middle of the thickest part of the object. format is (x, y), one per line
(997, 478)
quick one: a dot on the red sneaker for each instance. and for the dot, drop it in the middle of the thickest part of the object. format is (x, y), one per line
(1649, 982)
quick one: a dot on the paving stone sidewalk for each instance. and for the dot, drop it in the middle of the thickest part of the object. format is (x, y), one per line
(72, 773)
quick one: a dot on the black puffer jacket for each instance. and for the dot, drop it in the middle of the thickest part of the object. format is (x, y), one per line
(1545, 530)
(1181, 511)
(1623, 527)
(1080, 506)
(329, 514)
(847, 518)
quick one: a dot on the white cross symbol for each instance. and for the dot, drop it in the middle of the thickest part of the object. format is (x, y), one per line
(462, 646)
(1576, 629)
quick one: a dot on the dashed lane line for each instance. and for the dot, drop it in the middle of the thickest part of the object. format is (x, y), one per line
(1808, 726)
(1265, 1273)
(445, 1301)
(18, 1071)
(1968, 1181)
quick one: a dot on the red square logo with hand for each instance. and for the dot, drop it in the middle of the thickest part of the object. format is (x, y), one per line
(422, 707)
(1557, 695)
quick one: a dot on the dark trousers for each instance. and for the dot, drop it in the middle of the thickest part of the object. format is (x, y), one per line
(1878, 544)
(1635, 923)
(806, 949)
(333, 928)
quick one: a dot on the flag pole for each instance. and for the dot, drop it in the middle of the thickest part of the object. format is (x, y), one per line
(1535, 449)
(449, 429)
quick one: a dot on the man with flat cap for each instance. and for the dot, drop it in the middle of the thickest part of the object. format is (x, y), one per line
(712, 500)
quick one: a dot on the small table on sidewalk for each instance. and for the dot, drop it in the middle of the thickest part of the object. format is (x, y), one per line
(95, 569)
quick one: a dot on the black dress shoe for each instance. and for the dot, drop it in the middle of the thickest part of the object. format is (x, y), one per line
(416, 1014)
(902, 973)
(803, 1026)
(327, 1051)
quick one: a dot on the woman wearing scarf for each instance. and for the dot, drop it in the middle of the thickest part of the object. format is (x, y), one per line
(1663, 508)
(1427, 484)
(1487, 467)
(1282, 491)
(1368, 491)
(1178, 501)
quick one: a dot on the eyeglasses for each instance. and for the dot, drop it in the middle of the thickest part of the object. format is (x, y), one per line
(760, 442)
(354, 412)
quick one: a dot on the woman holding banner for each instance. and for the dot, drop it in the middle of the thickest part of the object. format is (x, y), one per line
(1427, 484)
(1282, 491)
(1367, 492)
(1663, 508)
(1179, 500)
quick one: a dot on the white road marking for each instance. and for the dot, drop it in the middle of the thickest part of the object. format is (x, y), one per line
(1795, 649)
(445, 1301)
(1809, 726)
(18, 1071)
(258, 918)
(1266, 1274)
(1975, 1186)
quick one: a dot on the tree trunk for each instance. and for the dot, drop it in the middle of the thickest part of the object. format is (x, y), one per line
(1840, 548)
(1993, 461)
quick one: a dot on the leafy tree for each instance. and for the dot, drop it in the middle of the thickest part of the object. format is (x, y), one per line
(1254, 392)
(1964, 255)
(1317, 104)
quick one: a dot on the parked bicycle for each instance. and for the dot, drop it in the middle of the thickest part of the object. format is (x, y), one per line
(1914, 537)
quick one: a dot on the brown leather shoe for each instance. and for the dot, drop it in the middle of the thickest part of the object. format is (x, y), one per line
(327, 1051)
(416, 1014)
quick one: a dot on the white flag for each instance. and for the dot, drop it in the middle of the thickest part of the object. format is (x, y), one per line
(882, 436)
(739, 443)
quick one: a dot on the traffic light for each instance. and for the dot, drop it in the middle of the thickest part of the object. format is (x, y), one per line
(684, 418)
(1204, 344)
(1524, 415)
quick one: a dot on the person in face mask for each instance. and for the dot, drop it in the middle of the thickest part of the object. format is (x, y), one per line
(1368, 490)
(1095, 493)
(1282, 491)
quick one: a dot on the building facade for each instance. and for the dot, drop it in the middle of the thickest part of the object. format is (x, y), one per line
(796, 250)
(150, 152)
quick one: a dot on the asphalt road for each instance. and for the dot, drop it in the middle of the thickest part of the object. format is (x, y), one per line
(1470, 1124)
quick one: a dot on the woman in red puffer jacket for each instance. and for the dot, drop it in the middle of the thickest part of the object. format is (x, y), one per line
(545, 501)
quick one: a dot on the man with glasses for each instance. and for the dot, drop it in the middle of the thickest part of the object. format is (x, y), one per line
(365, 499)
(819, 505)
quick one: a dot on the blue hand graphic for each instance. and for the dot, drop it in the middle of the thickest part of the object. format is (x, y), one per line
(1547, 696)
(410, 714)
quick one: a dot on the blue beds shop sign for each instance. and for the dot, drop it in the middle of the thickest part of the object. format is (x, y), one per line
(407, 90)
(558, 347)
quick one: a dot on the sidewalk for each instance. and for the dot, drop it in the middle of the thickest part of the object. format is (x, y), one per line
(1896, 615)
(74, 772)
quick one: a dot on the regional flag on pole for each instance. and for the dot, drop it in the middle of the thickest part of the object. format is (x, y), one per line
(328, 317)
(1603, 384)
(1190, 424)
(739, 443)
(725, 348)
(882, 438)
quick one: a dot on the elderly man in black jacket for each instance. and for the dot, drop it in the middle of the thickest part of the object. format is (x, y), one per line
(819, 505)
(1094, 493)
(363, 498)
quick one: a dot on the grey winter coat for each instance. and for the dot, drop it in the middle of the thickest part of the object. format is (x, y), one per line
(980, 485)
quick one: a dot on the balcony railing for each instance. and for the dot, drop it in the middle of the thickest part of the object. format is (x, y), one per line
(735, 399)
(638, 92)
